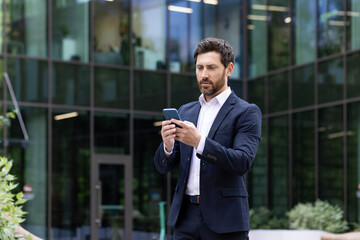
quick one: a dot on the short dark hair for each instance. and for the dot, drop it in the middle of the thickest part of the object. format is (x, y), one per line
(218, 45)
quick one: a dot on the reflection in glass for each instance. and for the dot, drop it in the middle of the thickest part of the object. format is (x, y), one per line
(256, 93)
(257, 175)
(112, 201)
(303, 158)
(353, 73)
(257, 35)
(331, 148)
(70, 30)
(111, 133)
(149, 186)
(70, 183)
(183, 90)
(330, 27)
(29, 79)
(30, 166)
(330, 80)
(149, 91)
(303, 86)
(353, 16)
(149, 28)
(26, 30)
(111, 32)
(279, 164)
(278, 92)
(112, 88)
(224, 21)
(71, 84)
(353, 167)
(304, 31)
(279, 34)
(185, 33)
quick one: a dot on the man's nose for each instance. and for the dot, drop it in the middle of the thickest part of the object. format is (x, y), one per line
(204, 73)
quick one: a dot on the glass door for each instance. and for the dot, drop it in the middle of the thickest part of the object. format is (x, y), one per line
(111, 201)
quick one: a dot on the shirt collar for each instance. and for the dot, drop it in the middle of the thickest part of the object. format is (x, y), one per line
(221, 98)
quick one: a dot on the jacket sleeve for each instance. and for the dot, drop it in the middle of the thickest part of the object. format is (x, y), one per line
(237, 158)
(163, 163)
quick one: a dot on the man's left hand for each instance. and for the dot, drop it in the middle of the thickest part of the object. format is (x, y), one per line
(188, 133)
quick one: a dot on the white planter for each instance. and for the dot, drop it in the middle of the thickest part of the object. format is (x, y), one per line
(285, 234)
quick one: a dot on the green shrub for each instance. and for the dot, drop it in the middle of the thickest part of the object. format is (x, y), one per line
(11, 214)
(263, 218)
(320, 216)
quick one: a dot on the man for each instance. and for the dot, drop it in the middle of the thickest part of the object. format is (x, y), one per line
(215, 145)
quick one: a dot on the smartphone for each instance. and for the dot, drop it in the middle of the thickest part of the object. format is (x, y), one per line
(170, 113)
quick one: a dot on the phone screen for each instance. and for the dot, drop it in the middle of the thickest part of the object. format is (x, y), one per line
(170, 113)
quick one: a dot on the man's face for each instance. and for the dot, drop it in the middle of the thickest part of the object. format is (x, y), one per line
(211, 74)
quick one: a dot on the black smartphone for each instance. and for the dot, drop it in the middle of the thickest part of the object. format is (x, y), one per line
(170, 113)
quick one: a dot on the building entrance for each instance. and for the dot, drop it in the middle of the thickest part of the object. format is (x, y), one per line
(111, 199)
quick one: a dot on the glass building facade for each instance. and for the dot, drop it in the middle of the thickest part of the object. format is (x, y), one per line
(92, 76)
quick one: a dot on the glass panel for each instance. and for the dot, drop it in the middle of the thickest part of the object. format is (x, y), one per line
(112, 88)
(303, 157)
(111, 32)
(237, 87)
(185, 33)
(330, 80)
(29, 79)
(223, 20)
(353, 24)
(30, 166)
(149, 186)
(70, 30)
(331, 148)
(150, 91)
(330, 27)
(257, 35)
(353, 73)
(71, 84)
(1, 83)
(112, 201)
(279, 165)
(256, 92)
(70, 183)
(353, 167)
(26, 28)
(304, 31)
(112, 133)
(303, 86)
(278, 92)
(278, 33)
(148, 35)
(257, 179)
(1, 26)
(183, 90)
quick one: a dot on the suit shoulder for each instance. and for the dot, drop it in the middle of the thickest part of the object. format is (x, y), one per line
(189, 106)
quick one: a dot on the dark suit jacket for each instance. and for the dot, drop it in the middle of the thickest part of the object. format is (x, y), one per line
(230, 148)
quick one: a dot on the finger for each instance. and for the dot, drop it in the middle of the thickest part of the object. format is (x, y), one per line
(177, 122)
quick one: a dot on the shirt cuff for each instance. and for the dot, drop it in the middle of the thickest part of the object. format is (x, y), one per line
(201, 145)
(168, 154)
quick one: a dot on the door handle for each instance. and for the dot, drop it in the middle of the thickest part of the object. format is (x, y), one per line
(98, 219)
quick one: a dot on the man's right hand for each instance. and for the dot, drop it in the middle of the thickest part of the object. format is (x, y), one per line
(168, 134)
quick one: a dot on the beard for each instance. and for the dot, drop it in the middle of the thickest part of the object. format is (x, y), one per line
(213, 87)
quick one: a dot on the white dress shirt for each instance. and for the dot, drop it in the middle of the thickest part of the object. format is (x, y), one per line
(207, 115)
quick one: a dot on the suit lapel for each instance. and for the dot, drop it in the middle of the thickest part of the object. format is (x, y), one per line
(224, 110)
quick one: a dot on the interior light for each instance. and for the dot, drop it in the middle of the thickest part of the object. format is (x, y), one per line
(212, 2)
(287, 20)
(348, 13)
(194, 0)
(179, 9)
(66, 115)
(157, 124)
(257, 17)
(251, 27)
(270, 8)
(338, 23)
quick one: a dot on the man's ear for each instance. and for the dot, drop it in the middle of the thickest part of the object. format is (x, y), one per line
(229, 69)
